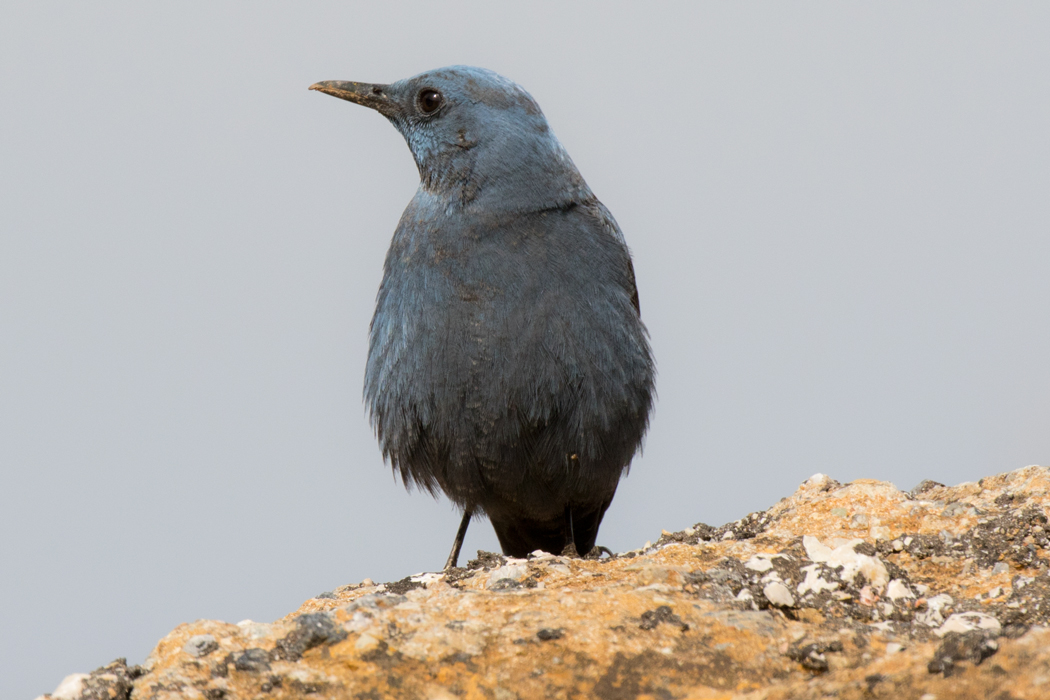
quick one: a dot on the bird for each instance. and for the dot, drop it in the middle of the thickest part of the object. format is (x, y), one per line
(508, 366)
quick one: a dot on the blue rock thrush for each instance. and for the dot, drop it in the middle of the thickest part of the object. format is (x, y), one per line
(508, 365)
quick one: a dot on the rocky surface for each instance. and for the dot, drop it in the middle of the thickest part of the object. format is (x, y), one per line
(842, 590)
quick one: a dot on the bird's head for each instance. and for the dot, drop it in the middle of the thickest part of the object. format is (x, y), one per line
(475, 136)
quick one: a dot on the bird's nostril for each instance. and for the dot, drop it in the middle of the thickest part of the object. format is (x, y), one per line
(377, 90)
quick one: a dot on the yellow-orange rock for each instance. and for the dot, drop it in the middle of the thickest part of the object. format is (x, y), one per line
(851, 591)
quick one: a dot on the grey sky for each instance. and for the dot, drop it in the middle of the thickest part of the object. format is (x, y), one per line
(840, 217)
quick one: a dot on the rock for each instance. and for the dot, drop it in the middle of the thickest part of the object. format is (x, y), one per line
(111, 682)
(778, 594)
(200, 645)
(813, 656)
(71, 687)
(250, 660)
(851, 591)
(311, 630)
(964, 622)
(507, 575)
(897, 589)
(973, 646)
(652, 618)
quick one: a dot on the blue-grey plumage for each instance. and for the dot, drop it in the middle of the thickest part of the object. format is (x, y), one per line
(508, 364)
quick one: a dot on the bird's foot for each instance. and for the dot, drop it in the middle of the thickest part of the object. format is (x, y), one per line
(570, 551)
(597, 551)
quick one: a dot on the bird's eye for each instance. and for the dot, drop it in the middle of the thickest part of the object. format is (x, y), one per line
(429, 100)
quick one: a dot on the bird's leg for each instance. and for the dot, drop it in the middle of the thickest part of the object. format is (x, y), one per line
(570, 547)
(453, 557)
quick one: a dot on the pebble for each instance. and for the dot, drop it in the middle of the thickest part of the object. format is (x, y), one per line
(818, 480)
(966, 621)
(252, 660)
(849, 561)
(814, 582)
(778, 594)
(1022, 581)
(508, 572)
(254, 630)
(897, 589)
(428, 579)
(880, 532)
(932, 617)
(200, 645)
(366, 643)
(70, 687)
(760, 562)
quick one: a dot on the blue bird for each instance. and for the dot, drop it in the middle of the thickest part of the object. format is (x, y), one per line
(508, 365)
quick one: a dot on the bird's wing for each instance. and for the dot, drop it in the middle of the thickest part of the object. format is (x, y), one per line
(634, 286)
(608, 224)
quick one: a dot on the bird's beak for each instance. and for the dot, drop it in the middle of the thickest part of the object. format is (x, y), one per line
(367, 94)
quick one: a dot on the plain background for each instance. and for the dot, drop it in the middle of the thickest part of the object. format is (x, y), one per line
(839, 213)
